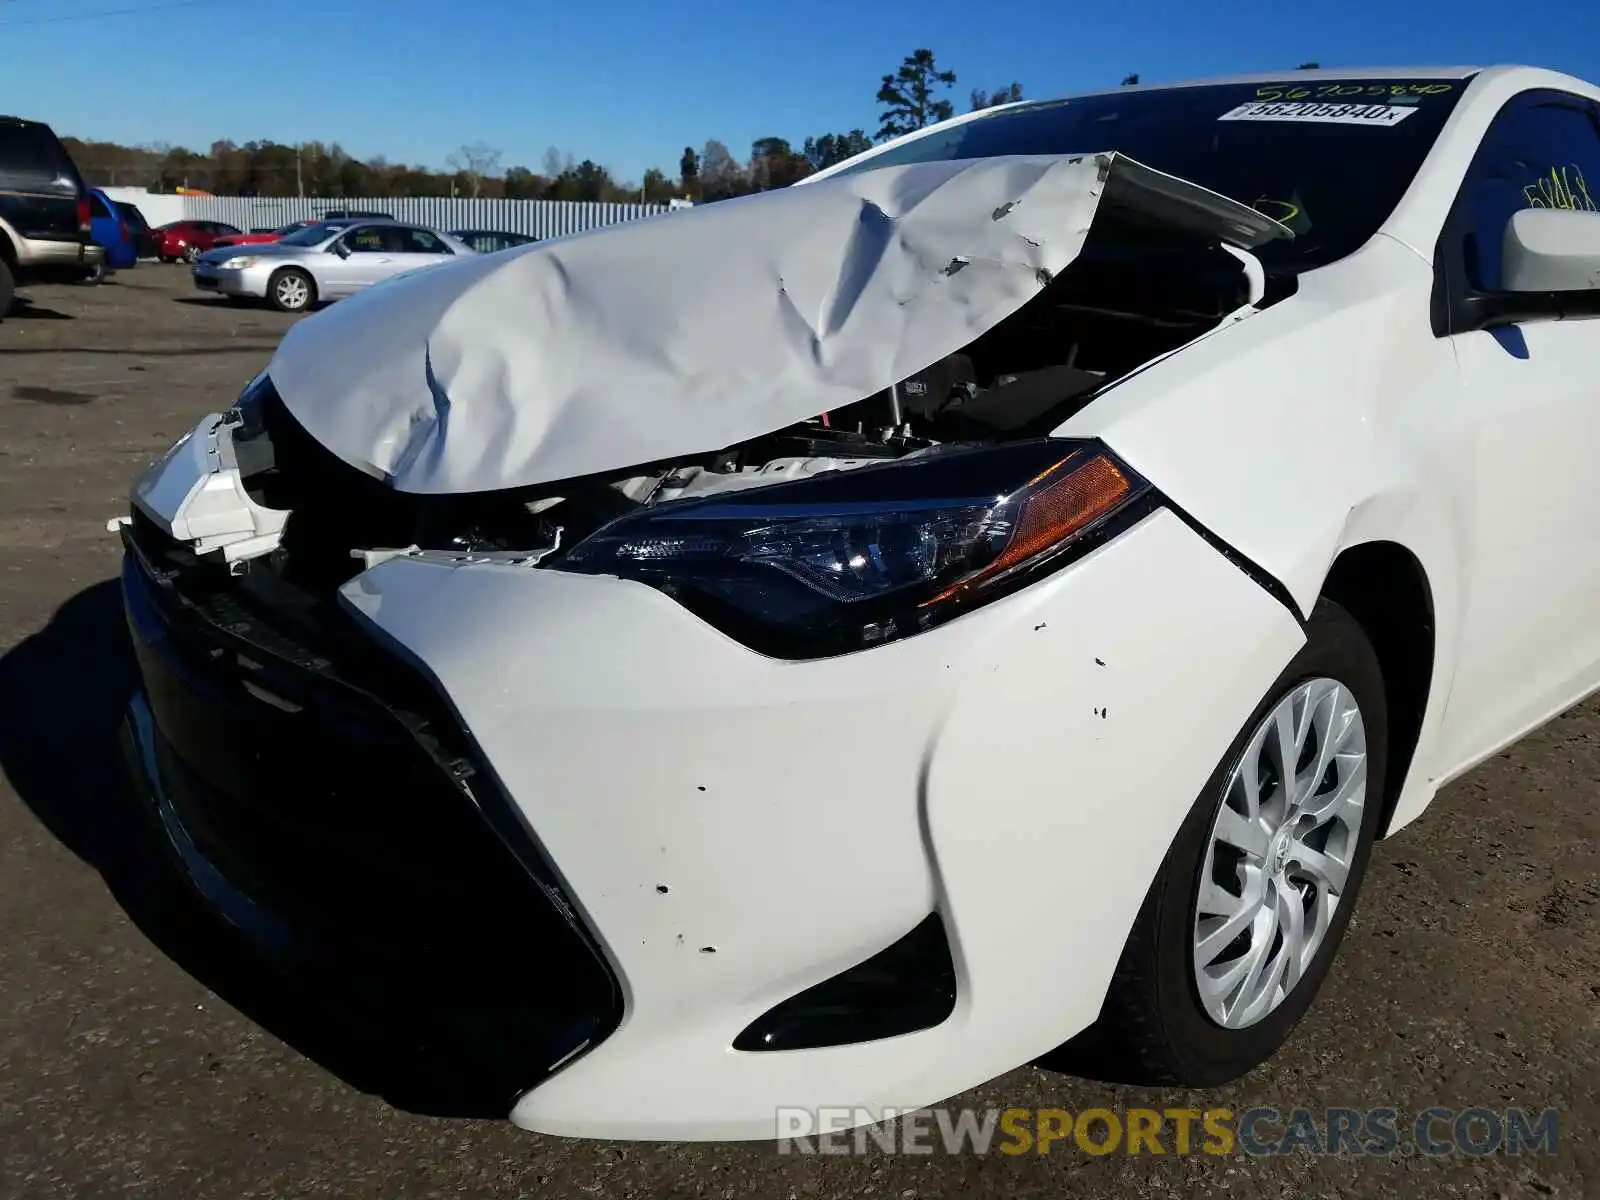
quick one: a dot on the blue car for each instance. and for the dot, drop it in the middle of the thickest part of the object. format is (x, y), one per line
(109, 227)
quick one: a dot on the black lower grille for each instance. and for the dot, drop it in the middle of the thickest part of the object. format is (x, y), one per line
(336, 792)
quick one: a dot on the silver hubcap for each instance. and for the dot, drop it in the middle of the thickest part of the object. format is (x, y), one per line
(292, 291)
(1279, 852)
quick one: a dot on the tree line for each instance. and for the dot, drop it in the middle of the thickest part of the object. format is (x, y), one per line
(914, 95)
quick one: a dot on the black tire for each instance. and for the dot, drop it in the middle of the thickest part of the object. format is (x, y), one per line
(1152, 1028)
(278, 302)
(96, 274)
(190, 253)
(8, 289)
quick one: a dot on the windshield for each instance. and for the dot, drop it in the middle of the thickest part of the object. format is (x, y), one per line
(1328, 158)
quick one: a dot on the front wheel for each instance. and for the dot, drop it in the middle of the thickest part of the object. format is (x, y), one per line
(291, 290)
(1243, 921)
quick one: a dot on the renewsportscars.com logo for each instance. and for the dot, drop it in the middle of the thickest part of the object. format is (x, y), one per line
(1370, 1132)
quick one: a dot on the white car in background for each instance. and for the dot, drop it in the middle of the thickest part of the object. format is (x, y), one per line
(323, 262)
(831, 647)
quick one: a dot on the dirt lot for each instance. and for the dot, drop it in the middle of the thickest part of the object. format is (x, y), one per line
(145, 1054)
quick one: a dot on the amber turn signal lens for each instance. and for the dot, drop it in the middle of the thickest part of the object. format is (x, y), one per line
(1062, 502)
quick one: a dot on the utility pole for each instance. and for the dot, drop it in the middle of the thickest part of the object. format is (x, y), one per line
(299, 180)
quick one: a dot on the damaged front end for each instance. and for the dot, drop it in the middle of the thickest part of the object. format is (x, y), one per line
(881, 516)
(841, 439)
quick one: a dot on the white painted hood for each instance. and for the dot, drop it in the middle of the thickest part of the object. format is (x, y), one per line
(695, 330)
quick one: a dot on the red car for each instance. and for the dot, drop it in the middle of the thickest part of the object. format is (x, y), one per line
(259, 236)
(188, 240)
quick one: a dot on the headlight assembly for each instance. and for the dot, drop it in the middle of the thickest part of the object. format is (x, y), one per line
(854, 558)
(238, 263)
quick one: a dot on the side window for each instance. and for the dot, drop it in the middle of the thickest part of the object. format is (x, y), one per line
(420, 241)
(369, 239)
(29, 152)
(97, 207)
(1542, 151)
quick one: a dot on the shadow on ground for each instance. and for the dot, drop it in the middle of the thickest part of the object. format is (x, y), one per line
(63, 693)
(23, 309)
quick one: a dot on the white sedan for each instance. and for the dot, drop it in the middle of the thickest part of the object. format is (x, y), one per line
(831, 647)
(325, 261)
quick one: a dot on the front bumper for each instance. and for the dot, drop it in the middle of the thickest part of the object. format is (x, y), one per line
(737, 828)
(252, 281)
(345, 835)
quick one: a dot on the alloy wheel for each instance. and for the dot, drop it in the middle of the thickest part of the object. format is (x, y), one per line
(1278, 856)
(291, 291)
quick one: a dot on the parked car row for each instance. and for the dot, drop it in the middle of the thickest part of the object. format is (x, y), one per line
(53, 226)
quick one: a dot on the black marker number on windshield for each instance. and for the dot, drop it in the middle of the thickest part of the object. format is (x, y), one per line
(1321, 113)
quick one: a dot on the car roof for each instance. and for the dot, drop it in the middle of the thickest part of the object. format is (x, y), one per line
(1433, 72)
(1530, 75)
(347, 223)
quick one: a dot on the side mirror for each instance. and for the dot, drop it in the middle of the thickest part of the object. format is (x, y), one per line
(1549, 271)
(1551, 250)
(340, 249)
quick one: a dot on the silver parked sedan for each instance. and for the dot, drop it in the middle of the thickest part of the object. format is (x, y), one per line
(325, 261)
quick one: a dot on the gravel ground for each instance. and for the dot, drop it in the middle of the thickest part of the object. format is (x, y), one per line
(146, 1054)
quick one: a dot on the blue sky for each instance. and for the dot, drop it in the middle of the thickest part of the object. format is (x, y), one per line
(629, 83)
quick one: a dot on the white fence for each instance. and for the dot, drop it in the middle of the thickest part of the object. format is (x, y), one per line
(538, 218)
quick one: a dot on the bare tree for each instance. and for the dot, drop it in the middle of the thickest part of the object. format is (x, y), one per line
(474, 161)
(557, 164)
(721, 175)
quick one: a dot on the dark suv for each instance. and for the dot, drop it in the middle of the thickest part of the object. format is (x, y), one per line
(44, 208)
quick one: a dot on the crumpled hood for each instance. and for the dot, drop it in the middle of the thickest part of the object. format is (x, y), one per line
(692, 331)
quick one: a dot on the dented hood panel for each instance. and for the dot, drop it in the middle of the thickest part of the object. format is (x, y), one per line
(692, 331)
